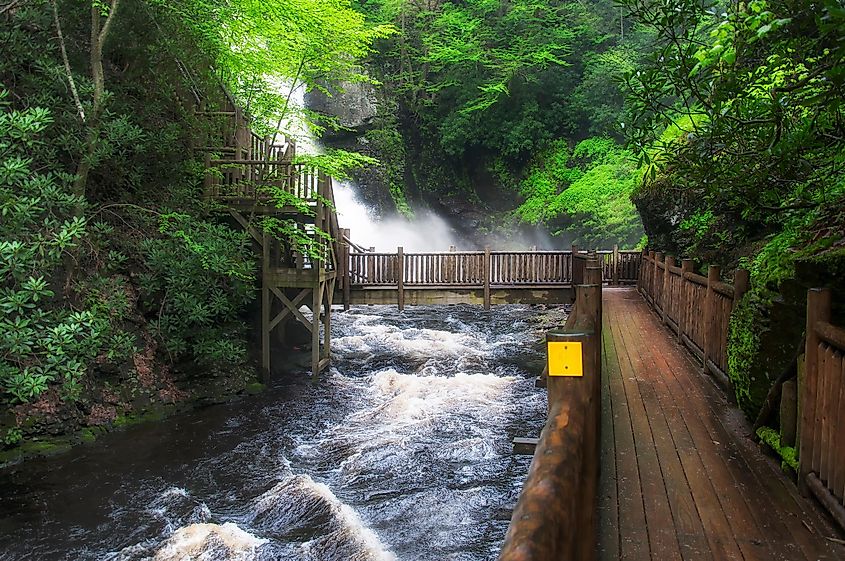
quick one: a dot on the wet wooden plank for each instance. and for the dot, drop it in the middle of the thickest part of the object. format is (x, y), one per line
(663, 541)
(728, 479)
(633, 534)
(608, 536)
(687, 522)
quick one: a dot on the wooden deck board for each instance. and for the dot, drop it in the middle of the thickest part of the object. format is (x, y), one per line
(608, 540)
(686, 483)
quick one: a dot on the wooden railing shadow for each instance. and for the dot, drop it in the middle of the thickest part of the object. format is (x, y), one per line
(556, 516)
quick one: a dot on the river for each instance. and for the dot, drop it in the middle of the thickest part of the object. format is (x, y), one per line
(401, 452)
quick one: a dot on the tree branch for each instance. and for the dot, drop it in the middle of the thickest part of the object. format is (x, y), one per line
(68, 70)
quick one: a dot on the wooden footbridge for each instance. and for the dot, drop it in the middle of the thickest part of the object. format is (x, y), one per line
(642, 457)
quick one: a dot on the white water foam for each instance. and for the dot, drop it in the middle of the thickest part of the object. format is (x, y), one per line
(301, 501)
(210, 542)
(418, 345)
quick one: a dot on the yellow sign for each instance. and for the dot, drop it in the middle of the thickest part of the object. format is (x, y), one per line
(565, 359)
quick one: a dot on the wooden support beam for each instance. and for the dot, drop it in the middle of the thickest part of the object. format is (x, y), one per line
(316, 302)
(290, 307)
(524, 446)
(265, 307)
(345, 268)
(328, 300)
(294, 309)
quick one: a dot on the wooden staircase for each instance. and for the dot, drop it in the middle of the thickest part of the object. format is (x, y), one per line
(256, 182)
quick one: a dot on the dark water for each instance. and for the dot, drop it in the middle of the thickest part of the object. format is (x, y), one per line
(402, 452)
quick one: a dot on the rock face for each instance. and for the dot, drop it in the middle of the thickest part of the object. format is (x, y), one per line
(353, 105)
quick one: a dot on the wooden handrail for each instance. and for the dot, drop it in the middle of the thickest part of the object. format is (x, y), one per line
(697, 308)
(822, 394)
(555, 516)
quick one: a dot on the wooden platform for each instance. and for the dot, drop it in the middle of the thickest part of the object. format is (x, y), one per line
(680, 479)
(434, 295)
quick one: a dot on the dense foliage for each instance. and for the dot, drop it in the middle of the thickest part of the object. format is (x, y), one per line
(488, 90)
(115, 274)
(738, 118)
(754, 92)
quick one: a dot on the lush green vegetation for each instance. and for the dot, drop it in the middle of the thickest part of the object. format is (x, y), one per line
(722, 122)
(116, 278)
(493, 97)
(737, 117)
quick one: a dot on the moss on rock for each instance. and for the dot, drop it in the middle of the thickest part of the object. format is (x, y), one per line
(788, 455)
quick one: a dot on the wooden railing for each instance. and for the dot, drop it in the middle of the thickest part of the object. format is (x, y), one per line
(475, 269)
(695, 307)
(555, 517)
(620, 266)
(249, 182)
(229, 135)
(822, 426)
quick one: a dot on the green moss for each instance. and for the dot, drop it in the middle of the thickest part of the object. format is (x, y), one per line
(88, 435)
(33, 448)
(255, 388)
(743, 350)
(788, 455)
(130, 420)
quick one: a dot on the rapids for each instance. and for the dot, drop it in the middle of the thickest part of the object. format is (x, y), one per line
(402, 452)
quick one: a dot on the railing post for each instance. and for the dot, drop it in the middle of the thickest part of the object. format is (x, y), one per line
(658, 281)
(347, 268)
(714, 273)
(400, 277)
(650, 278)
(809, 454)
(668, 263)
(642, 272)
(487, 278)
(683, 316)
(615, 264)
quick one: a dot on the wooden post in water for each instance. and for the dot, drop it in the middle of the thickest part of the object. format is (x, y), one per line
(714, 273)
(400, 277)
(265, 304)
(316, 304)
(486, 277)
(809, 458)
(347, 276)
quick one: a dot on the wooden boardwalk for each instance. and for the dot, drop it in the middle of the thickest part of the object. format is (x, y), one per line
(680, 479)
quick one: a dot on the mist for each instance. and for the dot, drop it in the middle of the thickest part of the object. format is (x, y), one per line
(425, 232)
